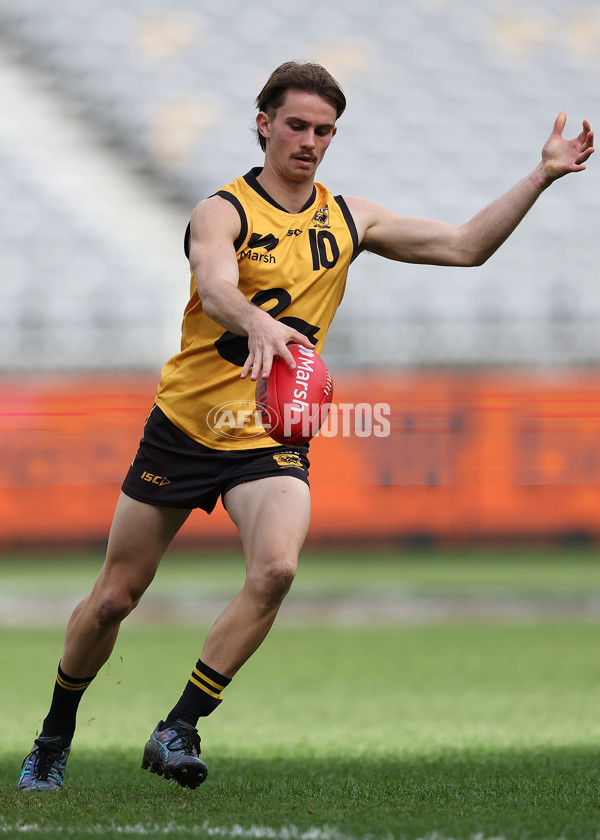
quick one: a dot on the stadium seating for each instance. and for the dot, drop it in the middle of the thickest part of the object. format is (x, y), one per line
(448, 106)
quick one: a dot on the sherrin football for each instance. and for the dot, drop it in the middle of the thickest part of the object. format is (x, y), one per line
(293, 404)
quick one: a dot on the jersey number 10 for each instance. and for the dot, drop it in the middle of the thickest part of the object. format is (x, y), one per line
(324, 249)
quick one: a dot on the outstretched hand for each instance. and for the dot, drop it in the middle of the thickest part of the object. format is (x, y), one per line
(561, 156)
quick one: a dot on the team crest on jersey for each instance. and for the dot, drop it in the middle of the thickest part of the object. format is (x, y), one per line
(289, 459)
(321, 217)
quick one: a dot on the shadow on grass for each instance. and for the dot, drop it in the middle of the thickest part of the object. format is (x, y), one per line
(536, 794)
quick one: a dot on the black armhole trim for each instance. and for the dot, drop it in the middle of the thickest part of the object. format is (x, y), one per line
(242, 214)
(350, 222)
(186, 240)
(243, 224)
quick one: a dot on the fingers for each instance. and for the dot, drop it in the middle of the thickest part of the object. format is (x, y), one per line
(586, 130)
(259, 363)
(586, 144)
(586, 138)
(295, 338)
(288, 358)
(299, 338)
(262, 364)
(562, 155)
(247, 365)
(260, 358)
(581, 159)
(559, 123)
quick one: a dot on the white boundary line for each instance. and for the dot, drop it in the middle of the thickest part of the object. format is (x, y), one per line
(235, 832)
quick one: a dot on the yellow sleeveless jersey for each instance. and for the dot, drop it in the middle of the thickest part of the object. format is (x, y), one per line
(292, 265)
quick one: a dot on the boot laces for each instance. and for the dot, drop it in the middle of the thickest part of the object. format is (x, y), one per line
(185, 739)
(44, 759)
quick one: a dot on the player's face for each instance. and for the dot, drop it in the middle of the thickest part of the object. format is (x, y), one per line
(298, 135)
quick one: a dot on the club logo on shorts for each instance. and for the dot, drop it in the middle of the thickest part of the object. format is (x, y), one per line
(289, 459)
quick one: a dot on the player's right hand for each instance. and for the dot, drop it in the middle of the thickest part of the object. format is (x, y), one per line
(268, 338)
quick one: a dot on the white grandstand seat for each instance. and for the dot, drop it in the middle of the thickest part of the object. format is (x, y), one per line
(448, 105)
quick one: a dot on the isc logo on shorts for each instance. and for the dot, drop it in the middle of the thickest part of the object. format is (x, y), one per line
(155, 479)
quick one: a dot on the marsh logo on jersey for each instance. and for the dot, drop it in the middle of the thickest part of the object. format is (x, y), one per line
(268, 242)
(321, 217)
(257, 240)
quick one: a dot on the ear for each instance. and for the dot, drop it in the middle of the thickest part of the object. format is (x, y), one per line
(263, 124)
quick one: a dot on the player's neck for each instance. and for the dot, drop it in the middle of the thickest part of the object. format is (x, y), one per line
(291, 195)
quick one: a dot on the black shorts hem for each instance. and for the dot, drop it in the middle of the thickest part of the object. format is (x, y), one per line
(139, 497)
(246, 480)
(172, 470)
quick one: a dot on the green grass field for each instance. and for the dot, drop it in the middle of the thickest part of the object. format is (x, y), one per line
(341, 726)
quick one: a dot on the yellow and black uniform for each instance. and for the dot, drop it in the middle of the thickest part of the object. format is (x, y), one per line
(292, 265)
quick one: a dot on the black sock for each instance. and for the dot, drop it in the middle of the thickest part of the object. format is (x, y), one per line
(200, 697)
(63, 709)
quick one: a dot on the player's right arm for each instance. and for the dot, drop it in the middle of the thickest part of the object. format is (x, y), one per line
(214, 227)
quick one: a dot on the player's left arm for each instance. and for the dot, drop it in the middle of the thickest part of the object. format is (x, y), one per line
(438, 243)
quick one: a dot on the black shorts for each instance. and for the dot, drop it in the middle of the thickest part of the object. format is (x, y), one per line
(173, 470)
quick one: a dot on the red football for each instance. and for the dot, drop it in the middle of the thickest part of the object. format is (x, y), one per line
(294, 403)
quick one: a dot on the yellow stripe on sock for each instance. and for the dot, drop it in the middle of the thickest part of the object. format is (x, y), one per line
(71, 686)
(208, 680)
(204, 688)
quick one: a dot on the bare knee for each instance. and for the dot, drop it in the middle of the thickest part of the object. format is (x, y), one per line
(114, 605)
(270, 584)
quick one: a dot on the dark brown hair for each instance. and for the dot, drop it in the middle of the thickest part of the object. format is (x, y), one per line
(300, 75)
